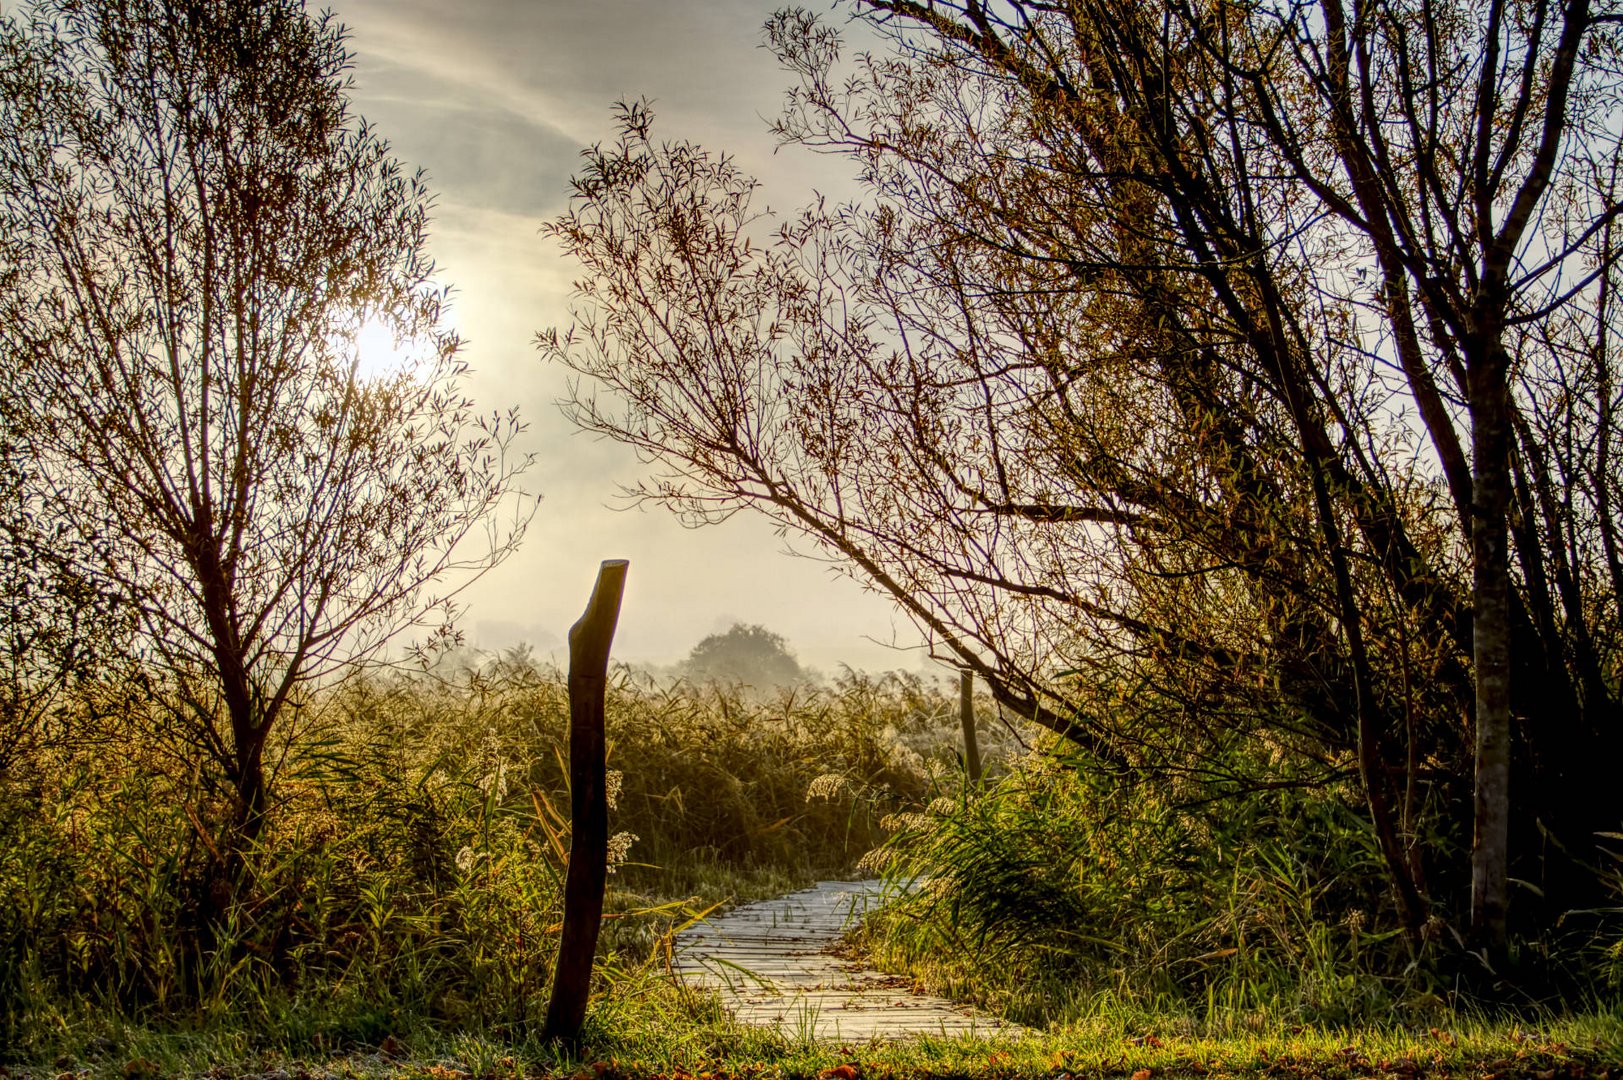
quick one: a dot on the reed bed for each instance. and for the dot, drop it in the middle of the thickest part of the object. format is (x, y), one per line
(411, 869)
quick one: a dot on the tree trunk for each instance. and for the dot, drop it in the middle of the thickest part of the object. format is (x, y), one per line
(966, 718)
(1490, 567)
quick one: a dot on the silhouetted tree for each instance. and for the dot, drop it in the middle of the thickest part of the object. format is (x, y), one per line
(200, 228)
(748, 654)
(1201, 368)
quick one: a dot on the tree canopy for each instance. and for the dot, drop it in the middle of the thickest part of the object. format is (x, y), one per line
(197, 228)
(1203, 375)
(745, 653)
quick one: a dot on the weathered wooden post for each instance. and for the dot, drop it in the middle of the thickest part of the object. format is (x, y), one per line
(966, 714)
(589, 641)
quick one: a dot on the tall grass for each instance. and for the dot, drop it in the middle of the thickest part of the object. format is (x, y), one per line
(412, 865)
(387, 882)
(1068, 890)
(407, 885)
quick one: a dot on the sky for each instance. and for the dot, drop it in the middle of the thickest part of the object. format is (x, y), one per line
(495, 99)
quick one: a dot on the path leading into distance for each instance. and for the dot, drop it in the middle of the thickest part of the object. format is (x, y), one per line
(773, 963)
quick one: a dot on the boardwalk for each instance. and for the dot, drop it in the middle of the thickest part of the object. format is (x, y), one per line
(772, 963)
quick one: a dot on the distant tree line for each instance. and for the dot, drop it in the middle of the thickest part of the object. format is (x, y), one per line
(746, 653)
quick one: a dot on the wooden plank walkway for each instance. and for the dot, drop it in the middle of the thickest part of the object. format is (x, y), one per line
(773, 963)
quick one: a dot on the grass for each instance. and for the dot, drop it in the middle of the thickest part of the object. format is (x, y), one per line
(410, 877)
(646, 1028)
(400, 917)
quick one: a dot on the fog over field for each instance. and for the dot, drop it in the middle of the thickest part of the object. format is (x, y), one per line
(495, 100)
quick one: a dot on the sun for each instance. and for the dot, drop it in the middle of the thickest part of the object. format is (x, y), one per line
(380, 354)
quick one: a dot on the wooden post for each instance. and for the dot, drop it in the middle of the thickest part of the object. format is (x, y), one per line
(966, 714)
(589, 641)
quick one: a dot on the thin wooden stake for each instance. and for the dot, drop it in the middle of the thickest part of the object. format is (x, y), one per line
(966, 714)
(589, 641)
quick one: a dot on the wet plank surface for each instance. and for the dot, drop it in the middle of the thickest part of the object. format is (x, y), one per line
(772, 963)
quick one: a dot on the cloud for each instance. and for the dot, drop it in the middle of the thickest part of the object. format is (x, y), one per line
(496, 98)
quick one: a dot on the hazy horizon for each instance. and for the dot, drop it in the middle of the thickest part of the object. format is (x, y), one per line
(495, 101)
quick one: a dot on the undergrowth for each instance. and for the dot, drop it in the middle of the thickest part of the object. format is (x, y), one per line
(1068, 888)
(399, 914)
(411, 870)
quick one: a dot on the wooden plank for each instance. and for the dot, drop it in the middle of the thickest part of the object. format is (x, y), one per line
(772, 965)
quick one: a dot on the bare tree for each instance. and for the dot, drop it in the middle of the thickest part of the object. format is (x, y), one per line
(201, 229)
(1145, 377)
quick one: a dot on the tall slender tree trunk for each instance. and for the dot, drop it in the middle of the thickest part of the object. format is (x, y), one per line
(1490, 568)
